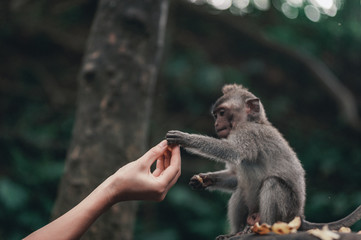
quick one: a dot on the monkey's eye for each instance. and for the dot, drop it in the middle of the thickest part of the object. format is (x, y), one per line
(221, 112)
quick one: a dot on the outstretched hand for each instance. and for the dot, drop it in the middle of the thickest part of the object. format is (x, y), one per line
(136, 181)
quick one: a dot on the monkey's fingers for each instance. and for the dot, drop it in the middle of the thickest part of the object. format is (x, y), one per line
(172, 140)
(175, 137)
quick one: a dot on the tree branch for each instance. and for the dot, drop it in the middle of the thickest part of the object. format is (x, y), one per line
(294, 236)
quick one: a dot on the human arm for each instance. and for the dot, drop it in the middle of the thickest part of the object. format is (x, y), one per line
(134, 181)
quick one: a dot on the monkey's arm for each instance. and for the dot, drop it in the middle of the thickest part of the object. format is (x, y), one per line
(225, 180)
(223, 150)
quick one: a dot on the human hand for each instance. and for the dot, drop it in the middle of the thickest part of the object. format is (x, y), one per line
(135, 181)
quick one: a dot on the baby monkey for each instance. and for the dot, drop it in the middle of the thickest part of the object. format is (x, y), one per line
(263, 173)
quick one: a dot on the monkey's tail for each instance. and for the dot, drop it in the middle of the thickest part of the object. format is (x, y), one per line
(347, 221)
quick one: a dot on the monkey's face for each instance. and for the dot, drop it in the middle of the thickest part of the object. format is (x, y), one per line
(222, 121)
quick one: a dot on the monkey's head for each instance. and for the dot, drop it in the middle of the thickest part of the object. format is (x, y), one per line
(237, 105)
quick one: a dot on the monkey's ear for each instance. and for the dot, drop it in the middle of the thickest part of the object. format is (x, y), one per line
(254, 105)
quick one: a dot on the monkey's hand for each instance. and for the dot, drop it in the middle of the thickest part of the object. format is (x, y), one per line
(200, 182)
(178, 138)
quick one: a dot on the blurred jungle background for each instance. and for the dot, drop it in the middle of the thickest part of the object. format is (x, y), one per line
(301, 57)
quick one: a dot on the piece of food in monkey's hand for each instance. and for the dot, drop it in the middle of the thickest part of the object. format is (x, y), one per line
(262, 229)
(199, 179)
(295, 224)
(281, 228)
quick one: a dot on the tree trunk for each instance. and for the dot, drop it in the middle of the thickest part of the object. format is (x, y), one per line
(116, 85)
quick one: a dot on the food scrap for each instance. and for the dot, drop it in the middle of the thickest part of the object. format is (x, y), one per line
(199, 178)
(324, 234)
(292, 227)
(344, 230)
(295, 224)
(279, 227)
(262, 229)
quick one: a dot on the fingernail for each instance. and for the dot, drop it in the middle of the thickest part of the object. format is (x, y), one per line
(163, 143)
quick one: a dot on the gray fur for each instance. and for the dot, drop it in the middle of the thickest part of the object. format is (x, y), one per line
(262, 170)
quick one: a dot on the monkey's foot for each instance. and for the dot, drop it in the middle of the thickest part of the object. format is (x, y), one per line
(253, 218)
(224, 237)
(227, 236)
(246, 230)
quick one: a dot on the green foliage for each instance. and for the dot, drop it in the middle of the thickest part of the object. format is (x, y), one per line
(194, 82)
(201, 56)
(12, 195)
(188, 215)
(28, 187)
(35, 133)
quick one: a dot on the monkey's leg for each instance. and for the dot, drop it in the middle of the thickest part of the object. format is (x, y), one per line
(277, 201)
(237, 215)
(237, 212)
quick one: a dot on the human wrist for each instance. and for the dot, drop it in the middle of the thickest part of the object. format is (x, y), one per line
(113, 188)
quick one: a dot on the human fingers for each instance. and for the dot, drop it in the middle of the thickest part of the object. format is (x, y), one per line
(162, 163)
(178, 163)
(167, 156)
(159, 167)
(154, 153)
(171, 174)
(175, 157)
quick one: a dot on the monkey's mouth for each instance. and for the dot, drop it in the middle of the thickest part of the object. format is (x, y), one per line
(219, 130)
